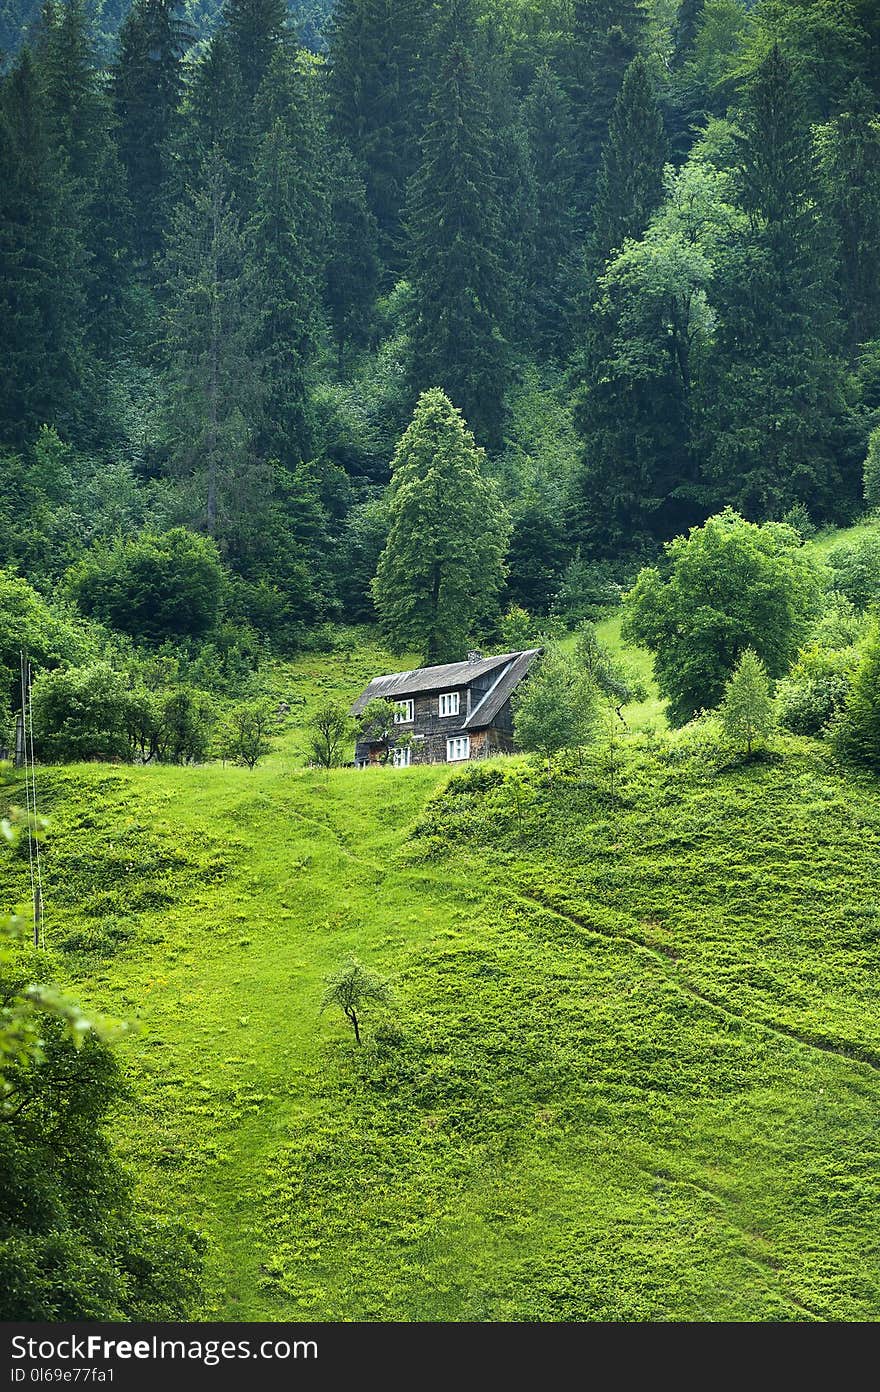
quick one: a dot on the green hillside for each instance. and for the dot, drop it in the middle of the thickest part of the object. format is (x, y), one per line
(631, 1071)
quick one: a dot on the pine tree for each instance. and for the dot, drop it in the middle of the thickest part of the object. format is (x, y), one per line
(442, 567)
(254, 30)
(214, 380)
(630, 183)
(858, 735)
(81, 125)
(516, 196)
(771, 405)
(459, 295)
(550, 131)
(147, 85)
(377, 58)
(849, 149)
(746, 710)
(687, 24)
(211, 117)
(352, 269)
(286, 234)
(606, 37)
(42, 268)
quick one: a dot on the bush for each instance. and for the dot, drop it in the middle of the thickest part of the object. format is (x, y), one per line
(855, 570)
(51, 635)
(800, 521)
(816, 690)
(81, 713)
(727, 586)
(154, 587)
(857, 733)
(72, 1244)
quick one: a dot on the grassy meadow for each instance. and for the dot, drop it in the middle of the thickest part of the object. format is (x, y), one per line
(631, 1071)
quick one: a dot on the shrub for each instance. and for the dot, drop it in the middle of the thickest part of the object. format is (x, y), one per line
(727, 586)
(855, 570)
(51, 635)
(815, 691)
(857, 734)
(81, 713)
(156, 586)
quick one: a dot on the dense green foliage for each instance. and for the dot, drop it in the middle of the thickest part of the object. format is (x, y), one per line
(230, 264)
(441, 568)
(728, 586)
(155, 587)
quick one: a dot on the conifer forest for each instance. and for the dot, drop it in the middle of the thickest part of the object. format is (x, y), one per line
(439, 660)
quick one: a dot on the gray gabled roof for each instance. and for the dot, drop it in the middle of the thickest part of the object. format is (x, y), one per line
(500, 692)
(399, 685)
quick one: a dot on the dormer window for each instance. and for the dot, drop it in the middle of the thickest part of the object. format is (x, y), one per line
(405, 713)
(450, 703)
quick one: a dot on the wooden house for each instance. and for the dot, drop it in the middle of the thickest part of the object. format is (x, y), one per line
(446, 714)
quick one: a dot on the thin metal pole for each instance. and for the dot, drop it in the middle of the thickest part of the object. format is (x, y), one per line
(38, 897)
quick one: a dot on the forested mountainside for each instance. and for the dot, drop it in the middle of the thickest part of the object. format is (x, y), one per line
(634, 245)
(20, 22)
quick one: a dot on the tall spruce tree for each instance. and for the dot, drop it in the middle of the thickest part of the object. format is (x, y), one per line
(849, 150)
(254, 30)
(550, 132)
(456, 269)
(606, 37)
(377, 54)
(211, 115)
(42, 267)
(352, 267)
(516, 193)
(687, 23)
(214, 375)
(286, 234)
(630, 183)
(147, 85)
(443, 565)
(771, 397)
(81, 125)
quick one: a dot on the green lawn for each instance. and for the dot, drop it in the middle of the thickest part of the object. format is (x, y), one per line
(631, 1073)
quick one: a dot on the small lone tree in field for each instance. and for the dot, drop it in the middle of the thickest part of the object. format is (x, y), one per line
(330, 730)
(245, 737)
(556, 708)
(349, 990)
(746, 710)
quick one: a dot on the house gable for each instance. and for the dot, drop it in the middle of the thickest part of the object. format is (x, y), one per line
(440, 733)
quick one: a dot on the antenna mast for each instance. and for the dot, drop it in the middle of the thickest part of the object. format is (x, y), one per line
(24, 749)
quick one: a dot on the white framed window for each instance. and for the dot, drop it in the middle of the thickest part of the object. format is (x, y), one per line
(458, 748)
(450, 702)
(401, 758)
(405, 713)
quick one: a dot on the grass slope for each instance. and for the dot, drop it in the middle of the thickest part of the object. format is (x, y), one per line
(632, 1072)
